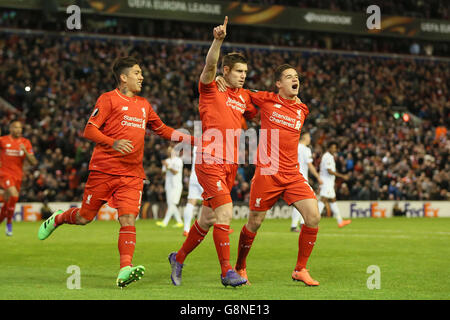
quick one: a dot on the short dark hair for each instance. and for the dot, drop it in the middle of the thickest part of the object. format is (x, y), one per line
(120, 64)
(280, 69)
(304, 133)
(232, 58)
(331, 143)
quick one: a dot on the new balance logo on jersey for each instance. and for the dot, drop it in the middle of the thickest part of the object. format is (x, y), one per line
(88, 200)
(258, 202)
(276, 105)
(124, 108)
(8, 145)
(130, 242)
(219, 186)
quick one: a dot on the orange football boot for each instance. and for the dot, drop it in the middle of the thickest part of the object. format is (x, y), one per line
(243, 274)
(344, 223)
(303, 275)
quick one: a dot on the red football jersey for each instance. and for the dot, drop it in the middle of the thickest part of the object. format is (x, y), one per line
(12, 156)
(120, 117)
(221, 115)
(281, 124)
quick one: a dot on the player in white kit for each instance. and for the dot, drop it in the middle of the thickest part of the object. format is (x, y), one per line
(305, 162)
(194, 196)
(173, 167)
(328, 175)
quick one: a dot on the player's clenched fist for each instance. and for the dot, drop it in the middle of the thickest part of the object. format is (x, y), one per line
(123, 146)
(221, 31)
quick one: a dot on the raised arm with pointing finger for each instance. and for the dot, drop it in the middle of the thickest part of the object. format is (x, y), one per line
(209, 71)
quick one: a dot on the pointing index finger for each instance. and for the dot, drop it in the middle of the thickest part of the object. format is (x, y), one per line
(225, 21)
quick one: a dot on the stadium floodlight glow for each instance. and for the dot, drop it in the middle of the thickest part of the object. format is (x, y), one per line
(406, 117)
(27, 88)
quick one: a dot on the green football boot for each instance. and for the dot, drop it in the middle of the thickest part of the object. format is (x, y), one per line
(129, 274)
(48, 226)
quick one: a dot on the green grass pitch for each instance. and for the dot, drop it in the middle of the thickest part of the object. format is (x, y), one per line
(413, 257)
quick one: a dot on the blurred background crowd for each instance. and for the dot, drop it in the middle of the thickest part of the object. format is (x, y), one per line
(54, 80)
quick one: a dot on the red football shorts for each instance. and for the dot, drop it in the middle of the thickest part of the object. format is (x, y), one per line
(217, 180)
(121, 192)
(8, 181)
(265, 190)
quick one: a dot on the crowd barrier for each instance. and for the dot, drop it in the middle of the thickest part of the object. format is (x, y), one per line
(31, 211)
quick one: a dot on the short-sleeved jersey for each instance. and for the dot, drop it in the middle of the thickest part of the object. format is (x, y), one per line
(326, 163)
(12, 156)
(304, 158)
(120, 117)
(221, 115)
(174, 181)
(281, 124)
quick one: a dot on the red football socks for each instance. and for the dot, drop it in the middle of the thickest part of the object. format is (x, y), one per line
(68, 217)
(245, 243)
(3, 212)
(221, 236)
(194, 238)
(306, 241)
(2, 217)
(126, 244)
(9, 207)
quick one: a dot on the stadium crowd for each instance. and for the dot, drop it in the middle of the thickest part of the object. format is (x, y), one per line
(351, 99)
(100, 24)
